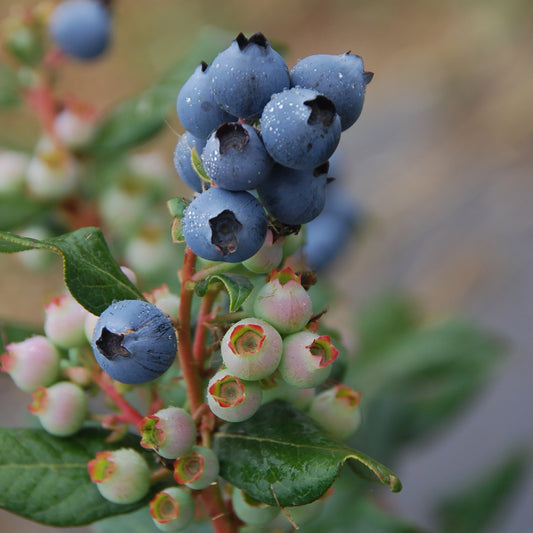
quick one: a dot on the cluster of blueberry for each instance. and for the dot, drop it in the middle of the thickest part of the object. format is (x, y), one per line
(263, 135)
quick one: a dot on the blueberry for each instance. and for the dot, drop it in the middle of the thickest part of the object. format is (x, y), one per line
(300, 128)
(81, 28)
(339, 77)
(235, 158)
(246, 74)
(182, 160)
(221, 225)
(197, 109)
(134, 342)
(294, 196)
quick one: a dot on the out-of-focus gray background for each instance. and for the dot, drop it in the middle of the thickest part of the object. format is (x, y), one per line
(442, 159)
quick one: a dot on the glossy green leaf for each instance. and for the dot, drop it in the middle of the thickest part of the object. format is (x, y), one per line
(17, 211)
(91, 274)
(9, 93)
(281, 456)
(44, 478)
(141, 117)
(238, 287)
(474, 507)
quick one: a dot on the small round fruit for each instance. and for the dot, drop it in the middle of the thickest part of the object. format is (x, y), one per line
(251, 349)
(231, 398)
(306, 360)
(81, 28)
(172, 509)
(64, 322)
(221, 225)
(300, 128)
(251, 511)
(61, 408)
(134, 342)
(121, 476)
(183, 161)
(197, 469)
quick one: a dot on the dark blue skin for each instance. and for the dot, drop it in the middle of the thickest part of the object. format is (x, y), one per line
(81, 28)
(246, 74)
(339, 77)
(235, 158)
(196, 107)
(294, 196)
(182, 160)
(134, 342)
(221, 225)
(300, 128)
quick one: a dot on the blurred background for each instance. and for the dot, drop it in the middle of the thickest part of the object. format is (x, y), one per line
(441, 160)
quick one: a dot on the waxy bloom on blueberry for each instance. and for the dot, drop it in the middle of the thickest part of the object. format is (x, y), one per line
(283, 302)
(197, 469)
(31, 363)
(306, 360)
(251, 349)
(337, 410)
(231, 398)
(171, 432)
(64, 321)
(134, 342)
(183, 160)
(121, 476)
(61, 408)
(172, 509)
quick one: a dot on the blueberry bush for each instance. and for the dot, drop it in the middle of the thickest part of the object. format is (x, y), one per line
(218, 399)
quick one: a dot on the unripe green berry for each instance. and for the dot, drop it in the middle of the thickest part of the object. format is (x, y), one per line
(172, 509)
(231, 398)
(61, 408)
(306, 360)
(197, 469)
(121, 476)
(268, 257)
(64, 322)
(251, 511)
(283, 302)
(171, 432)
(251, 349)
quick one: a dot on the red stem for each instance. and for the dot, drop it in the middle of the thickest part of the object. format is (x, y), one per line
(221, 520)
(128, 412)
(204, 315)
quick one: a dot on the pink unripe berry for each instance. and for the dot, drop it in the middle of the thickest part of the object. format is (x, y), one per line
(283, 302)
(64, 322)
(277, 389)
(306, 360)
(31, 363)
(231, 398)
(171, 432)
(251, 511)
(172, 509)
(268, 257)
(337, 410)
(13, 167)
(197, 469)
(121, 476)
(61, 408)
(75, 126)
(165, 300)
(251, 349)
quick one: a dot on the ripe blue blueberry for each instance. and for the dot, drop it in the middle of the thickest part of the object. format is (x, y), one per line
(81, 28)
(246, 74)
(196, 107)
(300, 128)
(134, 342)
(182, 160)
(294, 196)
(221, 225)
(235, 158)
(339, 77)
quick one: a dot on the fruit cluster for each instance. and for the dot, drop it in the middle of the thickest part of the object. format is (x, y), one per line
(260, 136)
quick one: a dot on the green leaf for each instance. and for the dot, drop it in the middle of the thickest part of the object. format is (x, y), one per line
(177, 206)
(281, 456)
(91, 274)
(141, 117)
(17, 211)
(9, 94)
(238, 287)
(419, 381)
(198, 166)
(44, 478)
(473, 508)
